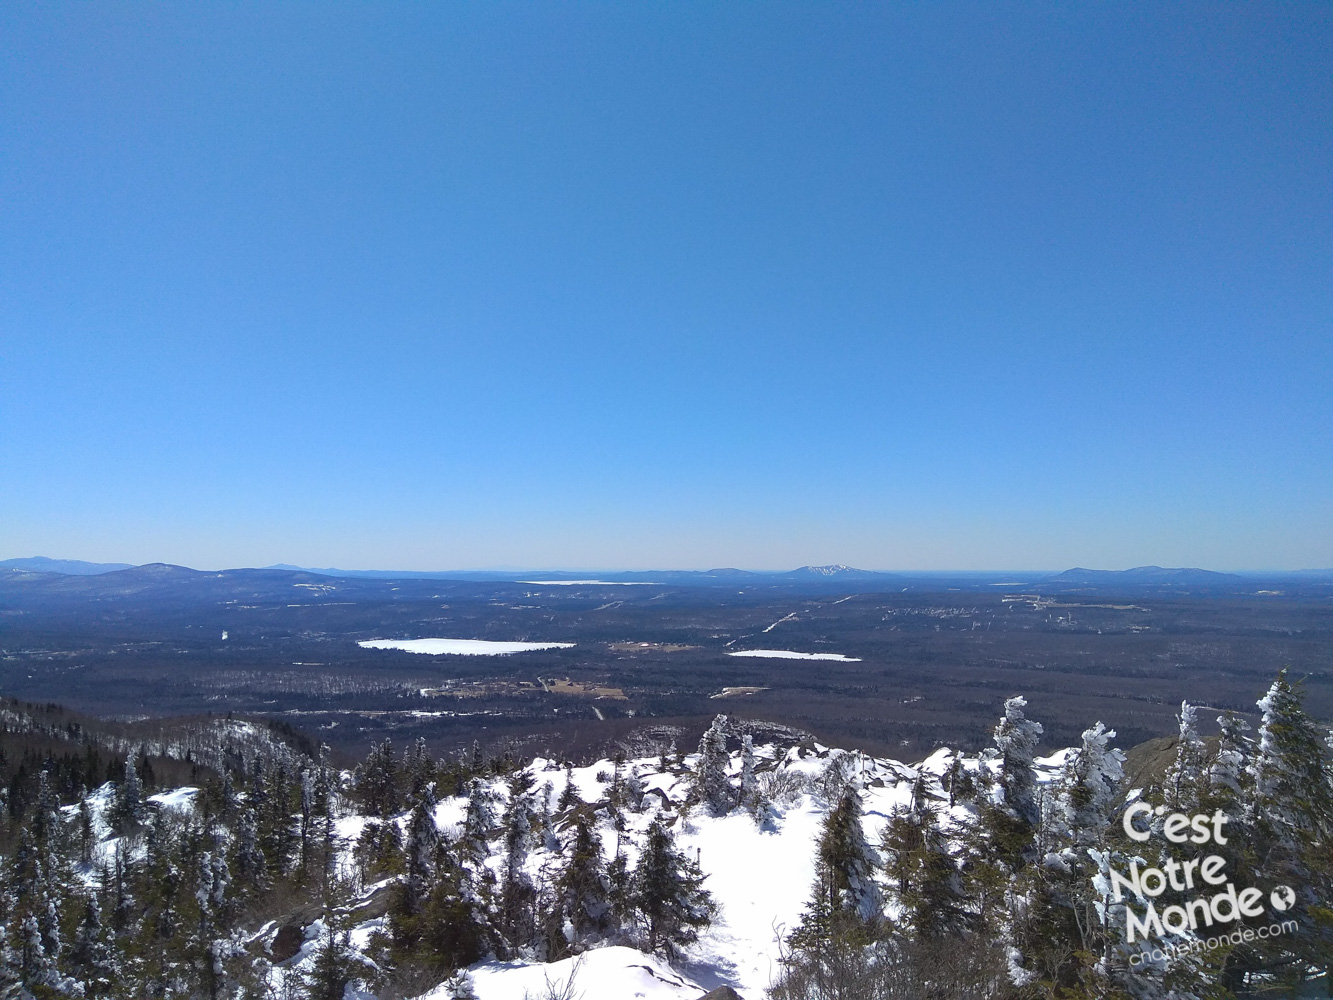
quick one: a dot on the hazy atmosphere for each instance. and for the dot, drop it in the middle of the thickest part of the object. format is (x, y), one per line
(536, 285)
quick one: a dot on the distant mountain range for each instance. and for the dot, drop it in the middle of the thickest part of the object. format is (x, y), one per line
(40, 579)
(70, 567)
(726, 575)
(1146, 575)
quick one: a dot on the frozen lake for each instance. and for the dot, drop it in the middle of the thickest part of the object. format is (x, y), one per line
(787, 654)
(460, 647)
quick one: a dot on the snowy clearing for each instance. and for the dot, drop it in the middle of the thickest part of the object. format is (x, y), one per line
(460, 647)
(590, 583)
(787, 654)
(613, 972)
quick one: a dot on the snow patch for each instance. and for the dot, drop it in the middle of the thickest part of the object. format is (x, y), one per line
(614, 973)
(590, 583)
(787, 654)
(460, 647)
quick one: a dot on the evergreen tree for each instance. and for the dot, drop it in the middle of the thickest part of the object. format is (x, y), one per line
(423, 838)
(37, 967)
(379, 851)
(377, 780)
(668, 893)
(420, 768)
(87, 834)
(1228, 772)
(459, 986)
(1186, 779)
(919, 867)
(751, 799)
(1016, 740)
(128, 808)
(712, 787)
(45, 819)
(569, 797)
(582, 890)
(1290, 822)
(1062, 924)
(251, 865)
(517, 892)
(477, 822)
(123, 902)
(334, 965)
(93, 955)
(844, 902)
(619, 893)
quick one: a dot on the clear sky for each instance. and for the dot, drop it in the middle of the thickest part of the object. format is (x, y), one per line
(667, 285)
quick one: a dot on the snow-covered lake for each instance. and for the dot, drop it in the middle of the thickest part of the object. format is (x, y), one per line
(787, 654)
(589, 583)
(460, 647)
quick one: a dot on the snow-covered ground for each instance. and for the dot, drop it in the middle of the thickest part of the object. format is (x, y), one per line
(759, 875)
(460, 647)
(787, 654)
(615, 972)
(589, 583)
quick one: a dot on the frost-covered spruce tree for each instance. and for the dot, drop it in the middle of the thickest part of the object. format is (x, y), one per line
(844, 904)
(1186, 779)
(668, 893)
(751, 799)
(517, 892)
(459, 986)
(87, 836)
(581, 903)
(477, 822)
(615, 792)
(1291, 822)
(1002, 839)
(209, 942)
(308, 814)
(569, 796)
(128, 807)
(334, 965)
(37, 967)
(376, 781)
(93, 954)
(1064, 897)
(1228, 771)
(125, 907)
(48, 919)
(419, 766)
(11, 972)
(423, 839)
(1289, 769)
(251, 865)
(712, 787)
(1016, 739)
(1089, 791)
(920, 869)
(275, 817)
(45, 819)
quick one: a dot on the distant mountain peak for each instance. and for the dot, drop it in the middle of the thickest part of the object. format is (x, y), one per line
(833, 571)
(70, 567)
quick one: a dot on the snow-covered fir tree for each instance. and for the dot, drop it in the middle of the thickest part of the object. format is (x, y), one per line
(668, 893)
(1186, 780)
(844, 901)
(712, 787)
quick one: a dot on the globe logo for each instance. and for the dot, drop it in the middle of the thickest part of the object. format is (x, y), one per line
(1282, 898)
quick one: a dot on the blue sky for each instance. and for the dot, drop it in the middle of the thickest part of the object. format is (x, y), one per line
(667, 285)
